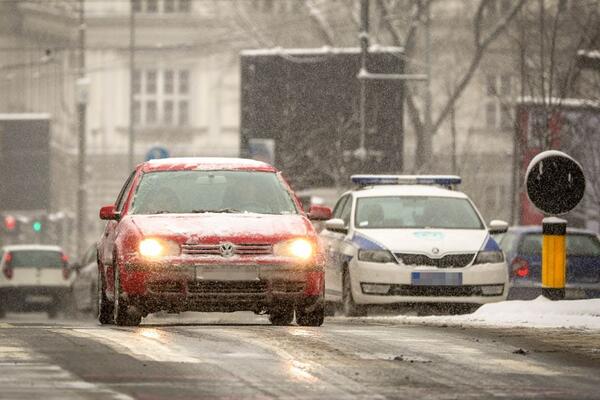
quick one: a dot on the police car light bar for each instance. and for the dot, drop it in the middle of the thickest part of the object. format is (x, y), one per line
(372, 180)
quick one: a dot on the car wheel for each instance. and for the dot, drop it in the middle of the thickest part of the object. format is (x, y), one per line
(314, 317)
(330, 308)
(105, 307)
(282, 316)
(52, 312)
(351, 309)
(124, 315)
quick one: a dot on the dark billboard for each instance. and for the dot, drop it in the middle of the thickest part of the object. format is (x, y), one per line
(24, 162)
(306, 102)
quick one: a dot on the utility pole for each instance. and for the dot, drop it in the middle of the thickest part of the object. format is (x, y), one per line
(82, 94)
(363, 36)
(131, 145)
(424, 153)
(364, 75)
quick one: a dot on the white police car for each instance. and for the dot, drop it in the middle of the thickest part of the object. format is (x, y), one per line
(410, 239)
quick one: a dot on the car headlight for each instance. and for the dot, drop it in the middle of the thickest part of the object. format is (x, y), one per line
(378, 256)
(153, 248)
(489, 257)
(302, 249)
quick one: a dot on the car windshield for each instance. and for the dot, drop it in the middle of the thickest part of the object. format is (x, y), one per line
(577, 245)
(212, 191)
(394, 212)
(36, 259)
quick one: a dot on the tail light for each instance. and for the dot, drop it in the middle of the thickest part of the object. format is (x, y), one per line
(66, 272)
(7, 269)
(520, 268)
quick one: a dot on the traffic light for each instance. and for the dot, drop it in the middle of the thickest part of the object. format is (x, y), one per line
(37, 226)
(10, 225)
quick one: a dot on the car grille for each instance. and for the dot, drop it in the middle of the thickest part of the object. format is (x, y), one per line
(435, 291)
(165, 287)
(246, 249)
(287, 287)
(227, 287)
(448, 261)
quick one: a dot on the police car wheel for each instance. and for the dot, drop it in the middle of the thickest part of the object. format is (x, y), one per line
(351, 309)
(281, 317)
(310, 318)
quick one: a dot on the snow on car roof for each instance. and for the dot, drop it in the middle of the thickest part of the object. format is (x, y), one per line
(208, 163)
(18, 247)
(407, 190)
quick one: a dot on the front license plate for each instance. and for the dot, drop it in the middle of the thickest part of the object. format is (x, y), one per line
(436, 278)
(38, 299)
(227, 273)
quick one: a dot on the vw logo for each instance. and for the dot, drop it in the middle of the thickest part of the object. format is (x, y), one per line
(226, 249)
(435, 250)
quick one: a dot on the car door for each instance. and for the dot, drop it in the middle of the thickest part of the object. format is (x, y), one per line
(333, 242)
(108, 238)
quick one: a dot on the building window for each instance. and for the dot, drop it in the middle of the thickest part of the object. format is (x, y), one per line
(150, 82)
(183, 113)
(491, 85)
(505, 85)
(161, 97)
(136, 5)
(137, 82)
(151, 6)
(506, 118)
(168, 80)
(490, 115)
(185, 6)
(169, 6)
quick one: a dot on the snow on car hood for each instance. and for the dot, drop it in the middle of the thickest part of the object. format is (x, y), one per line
(213, 228)
(423, 241)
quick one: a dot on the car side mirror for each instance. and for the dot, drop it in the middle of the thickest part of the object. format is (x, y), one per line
(76, 267)
(319, 213)
(109, 213)
(498, 226)
(336, 225)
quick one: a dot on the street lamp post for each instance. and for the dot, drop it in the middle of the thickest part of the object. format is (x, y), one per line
(82, 99)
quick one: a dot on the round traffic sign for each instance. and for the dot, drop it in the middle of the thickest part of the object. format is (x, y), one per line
(555, 182)
(157, 152)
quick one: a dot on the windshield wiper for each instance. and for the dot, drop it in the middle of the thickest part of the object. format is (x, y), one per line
(220, 210)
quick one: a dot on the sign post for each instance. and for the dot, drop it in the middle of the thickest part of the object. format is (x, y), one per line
(555, 185)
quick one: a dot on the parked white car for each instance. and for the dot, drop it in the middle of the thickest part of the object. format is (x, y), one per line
(33, 278)
(410, 239)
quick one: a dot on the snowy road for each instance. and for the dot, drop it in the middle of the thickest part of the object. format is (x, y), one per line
(344, 359)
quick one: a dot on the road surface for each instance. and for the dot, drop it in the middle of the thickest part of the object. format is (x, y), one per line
(243, 357)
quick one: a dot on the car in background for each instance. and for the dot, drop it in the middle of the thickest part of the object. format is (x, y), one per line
(410, 240)
(84, 286)
(34, 278)
(522, 246)
(210, 234)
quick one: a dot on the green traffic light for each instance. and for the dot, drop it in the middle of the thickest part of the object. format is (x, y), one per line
(37, 226)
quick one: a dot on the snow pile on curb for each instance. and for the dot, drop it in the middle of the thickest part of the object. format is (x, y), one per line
(538, 313)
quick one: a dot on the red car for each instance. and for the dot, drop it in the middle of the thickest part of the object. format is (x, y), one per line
(210, 234)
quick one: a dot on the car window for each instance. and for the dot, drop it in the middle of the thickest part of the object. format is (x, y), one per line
(123, 193)
(36, 259)
(577, 245)
(337, 210)
(345, 212)
(212, 191)
(416, 212)
(507, 241)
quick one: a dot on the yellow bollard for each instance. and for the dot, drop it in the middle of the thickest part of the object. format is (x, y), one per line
(554, 258)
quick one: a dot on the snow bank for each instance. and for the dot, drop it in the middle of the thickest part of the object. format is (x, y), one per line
(538, 313)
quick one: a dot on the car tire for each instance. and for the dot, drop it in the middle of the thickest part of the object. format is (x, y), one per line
(330, 308)
(350, 308)
(282, 316)
(124, 315)
(314, 317)
(105, 307)
(52, 312)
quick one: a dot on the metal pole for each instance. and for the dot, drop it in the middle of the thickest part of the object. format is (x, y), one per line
(131, 147)
(426, 149)
(364, 51)
(81, 161)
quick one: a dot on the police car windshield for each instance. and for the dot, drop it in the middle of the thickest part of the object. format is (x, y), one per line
(168, 192)
(415, 212)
